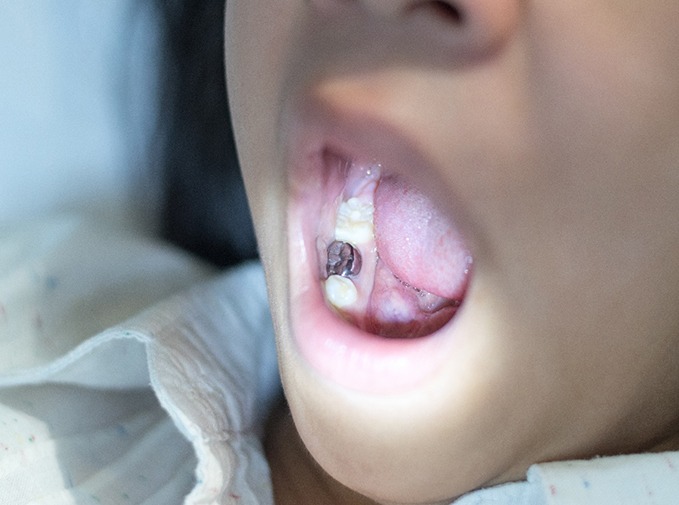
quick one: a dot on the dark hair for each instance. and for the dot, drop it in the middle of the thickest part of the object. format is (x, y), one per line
(202, 203)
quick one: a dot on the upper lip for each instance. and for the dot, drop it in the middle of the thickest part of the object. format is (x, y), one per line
(316, 127)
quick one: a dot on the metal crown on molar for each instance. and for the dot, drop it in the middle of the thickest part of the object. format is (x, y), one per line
(343, 259)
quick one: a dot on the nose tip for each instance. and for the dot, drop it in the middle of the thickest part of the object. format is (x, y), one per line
(475, 26)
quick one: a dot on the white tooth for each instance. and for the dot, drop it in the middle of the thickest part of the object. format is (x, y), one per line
(354, 221)
(340, 291)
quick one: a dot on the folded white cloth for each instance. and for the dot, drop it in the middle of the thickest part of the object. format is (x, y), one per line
(636, 479)
(165, 405)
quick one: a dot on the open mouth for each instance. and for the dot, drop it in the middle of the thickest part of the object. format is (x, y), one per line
(381, 240)
(377, 273)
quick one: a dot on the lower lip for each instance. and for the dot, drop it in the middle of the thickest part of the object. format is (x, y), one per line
(343, 354)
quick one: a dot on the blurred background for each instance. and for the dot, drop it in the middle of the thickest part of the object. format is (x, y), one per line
(116, 109)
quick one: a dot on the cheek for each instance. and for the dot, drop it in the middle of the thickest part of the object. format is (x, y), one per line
(255, 47)
(256, 42)
(589, 198)
(608, 118)
(608, 95)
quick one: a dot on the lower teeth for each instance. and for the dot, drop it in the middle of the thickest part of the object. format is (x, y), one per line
(343, 259)
(340, 292)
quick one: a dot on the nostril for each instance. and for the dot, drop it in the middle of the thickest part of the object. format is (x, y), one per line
(480, 28)
(466, 29)
(446, 11)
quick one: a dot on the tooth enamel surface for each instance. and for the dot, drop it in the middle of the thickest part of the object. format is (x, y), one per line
(340, 291)
(354, 221)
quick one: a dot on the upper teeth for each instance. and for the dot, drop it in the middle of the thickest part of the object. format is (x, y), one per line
(354, 221)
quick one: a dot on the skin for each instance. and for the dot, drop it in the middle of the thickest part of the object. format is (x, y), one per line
(548, 131)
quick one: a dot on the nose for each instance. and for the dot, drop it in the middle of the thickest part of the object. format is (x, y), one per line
(475, 26)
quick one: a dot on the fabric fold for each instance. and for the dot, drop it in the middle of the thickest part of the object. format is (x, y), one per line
(164, 407)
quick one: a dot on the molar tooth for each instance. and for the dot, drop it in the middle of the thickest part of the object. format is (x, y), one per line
(343, 259)
(340, 291)
(354, 222)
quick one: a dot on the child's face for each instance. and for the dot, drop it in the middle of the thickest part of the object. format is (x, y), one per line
(541, 139)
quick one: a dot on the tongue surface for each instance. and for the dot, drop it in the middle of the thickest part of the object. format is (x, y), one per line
(418, 243)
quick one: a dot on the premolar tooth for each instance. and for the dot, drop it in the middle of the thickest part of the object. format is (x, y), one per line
(354, 221)
(340, 291)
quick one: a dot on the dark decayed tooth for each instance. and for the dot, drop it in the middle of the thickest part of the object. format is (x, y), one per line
(343, 259)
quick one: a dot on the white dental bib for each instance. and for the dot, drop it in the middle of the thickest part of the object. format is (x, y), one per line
(105, 400)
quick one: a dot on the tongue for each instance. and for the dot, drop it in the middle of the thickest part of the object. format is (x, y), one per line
(417, 242)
